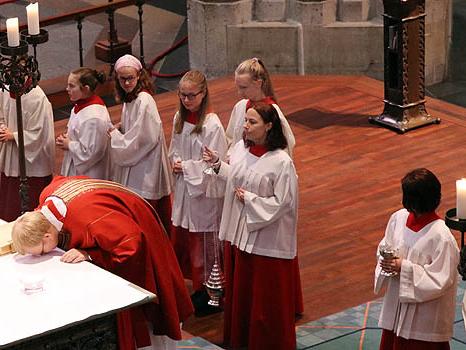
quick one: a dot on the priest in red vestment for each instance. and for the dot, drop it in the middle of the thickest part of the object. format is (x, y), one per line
(113, 227)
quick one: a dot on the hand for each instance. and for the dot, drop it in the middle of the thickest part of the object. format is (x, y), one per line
(177, 167)
(74, 256)
(391, 265)
(115, 126)
(209, 156)
(6, 134)
(239, 193)
(63, 141)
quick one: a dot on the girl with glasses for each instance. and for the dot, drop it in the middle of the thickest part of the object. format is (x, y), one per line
(138, 148)
(86, 142)
(196, 213)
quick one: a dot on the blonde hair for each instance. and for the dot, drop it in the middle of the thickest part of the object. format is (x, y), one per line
(29, 230)
(195, 77)
(255, 68)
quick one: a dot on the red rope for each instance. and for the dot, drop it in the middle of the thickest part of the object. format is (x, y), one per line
(175, 46)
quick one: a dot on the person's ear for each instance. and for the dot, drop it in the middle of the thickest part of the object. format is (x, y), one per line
(86, 89)
(268, 126)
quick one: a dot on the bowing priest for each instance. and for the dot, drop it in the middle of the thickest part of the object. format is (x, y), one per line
(114, 228)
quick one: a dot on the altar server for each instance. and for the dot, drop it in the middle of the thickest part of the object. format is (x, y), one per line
(196, 216)
(419, 303)
(138, 149)
(253, 84)
(86, 142)
(116, 229)
(259, 226)
(39, 149)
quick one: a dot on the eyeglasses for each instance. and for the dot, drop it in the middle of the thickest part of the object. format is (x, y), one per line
(190, 97)
(129, 79)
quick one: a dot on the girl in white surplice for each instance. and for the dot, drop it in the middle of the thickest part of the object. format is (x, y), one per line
(195, 215)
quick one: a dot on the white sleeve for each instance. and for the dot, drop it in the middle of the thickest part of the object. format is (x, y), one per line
(230, 131)
(142, 137)
(193, 170)
(91, 145)
(37, 114)
(262, 211)
(380, 280)
(421, 283)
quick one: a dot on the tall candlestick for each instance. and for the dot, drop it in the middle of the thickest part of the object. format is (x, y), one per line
(461, 198)
(12, 28)
(33, 18)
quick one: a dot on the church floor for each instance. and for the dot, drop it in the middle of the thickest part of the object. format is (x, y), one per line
(352, 329)
(356, 328)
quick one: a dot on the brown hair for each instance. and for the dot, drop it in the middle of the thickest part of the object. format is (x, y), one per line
(255, 68)
(89, 77)
(29, 230)
(275, 137)
(144, 83)
(195, 77)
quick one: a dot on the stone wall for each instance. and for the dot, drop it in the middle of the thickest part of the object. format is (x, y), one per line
(305, 36)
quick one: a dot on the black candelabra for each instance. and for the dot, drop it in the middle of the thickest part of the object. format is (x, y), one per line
(19, 74)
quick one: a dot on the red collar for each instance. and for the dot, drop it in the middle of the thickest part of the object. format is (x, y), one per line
(258, 150)
(84, 102)
(26, 86)
(192, 118)
(268, 100)
(417, 223)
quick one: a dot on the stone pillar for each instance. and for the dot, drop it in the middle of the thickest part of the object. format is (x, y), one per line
(269, 10)
(207, 28)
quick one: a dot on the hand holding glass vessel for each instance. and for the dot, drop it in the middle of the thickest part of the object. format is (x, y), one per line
(388, 253)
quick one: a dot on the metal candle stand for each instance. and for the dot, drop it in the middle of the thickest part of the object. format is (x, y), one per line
(19, 74)
(453, 222)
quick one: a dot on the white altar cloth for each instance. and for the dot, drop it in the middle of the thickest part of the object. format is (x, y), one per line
(72, 293)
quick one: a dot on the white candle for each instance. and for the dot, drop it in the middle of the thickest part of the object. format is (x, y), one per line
(12, 28)
(461, 198)
(33, 18)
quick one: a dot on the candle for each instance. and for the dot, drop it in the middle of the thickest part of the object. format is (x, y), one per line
(33, 18)
(12, 28)
(461, 198)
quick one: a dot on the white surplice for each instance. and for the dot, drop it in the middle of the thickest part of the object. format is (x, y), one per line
(38, 131)
(420, 302)
(192, 208)
(235, 128)
(266, 223)
(139, 153)
(88, 152)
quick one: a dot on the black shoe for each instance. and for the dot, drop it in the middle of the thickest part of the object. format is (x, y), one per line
(207, 310)
(200, 300)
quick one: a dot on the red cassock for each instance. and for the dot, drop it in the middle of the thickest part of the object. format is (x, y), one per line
(122, 234)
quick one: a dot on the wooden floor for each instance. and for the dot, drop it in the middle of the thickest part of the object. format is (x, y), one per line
(349, 177)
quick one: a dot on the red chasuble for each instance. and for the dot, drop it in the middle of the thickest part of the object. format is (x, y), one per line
(122, 234)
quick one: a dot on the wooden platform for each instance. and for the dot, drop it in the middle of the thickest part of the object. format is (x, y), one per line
(349, 175)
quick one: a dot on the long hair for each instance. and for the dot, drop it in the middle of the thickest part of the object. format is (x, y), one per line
(144, 83)
(274, 138)
(89, 77)
(195, 77)
(255, 68)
